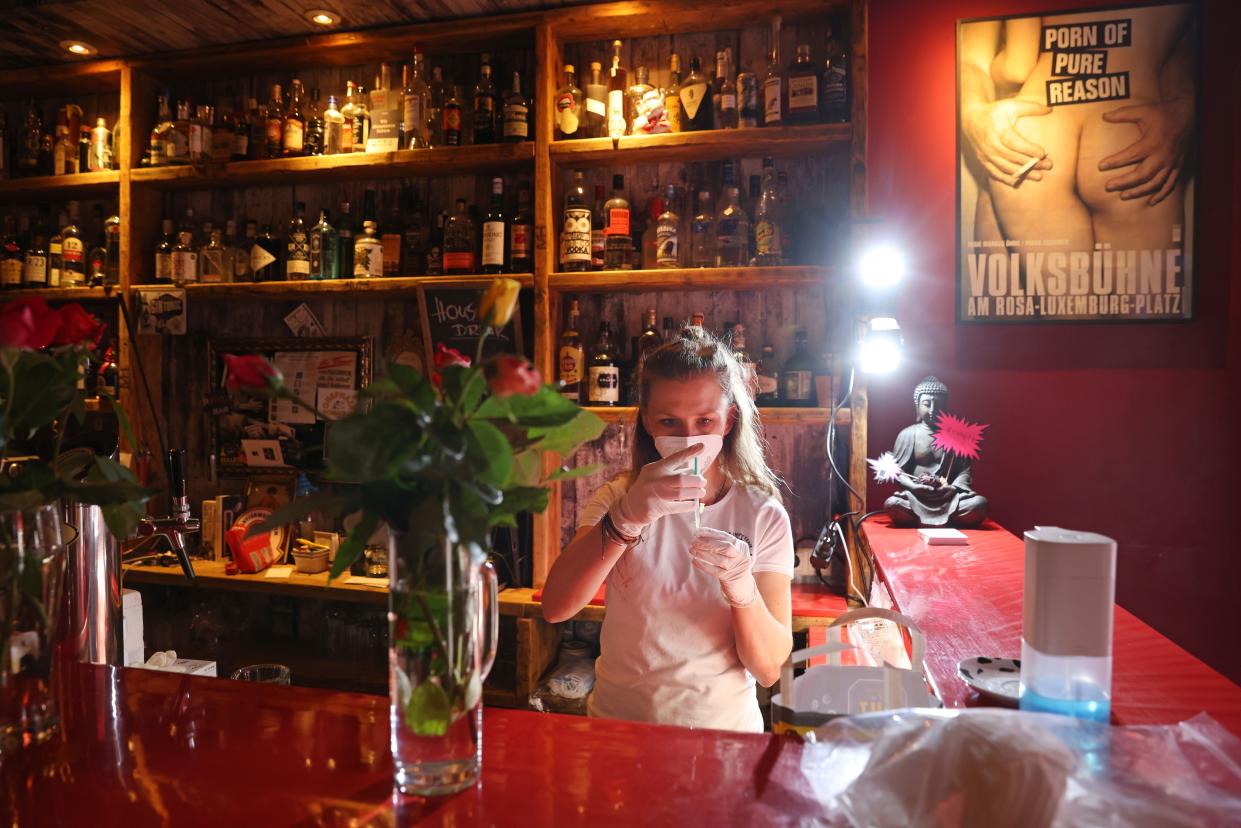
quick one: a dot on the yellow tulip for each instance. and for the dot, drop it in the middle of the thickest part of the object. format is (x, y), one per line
(499, 302)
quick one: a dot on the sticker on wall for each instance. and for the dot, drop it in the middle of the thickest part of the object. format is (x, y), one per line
(161, 310)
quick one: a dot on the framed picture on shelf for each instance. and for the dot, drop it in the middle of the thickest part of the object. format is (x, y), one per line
(250, 435)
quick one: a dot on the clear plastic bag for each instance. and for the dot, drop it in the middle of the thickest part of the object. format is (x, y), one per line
(996, 768)
(567, 686)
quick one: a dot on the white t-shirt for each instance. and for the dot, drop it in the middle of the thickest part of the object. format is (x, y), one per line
(668, 653)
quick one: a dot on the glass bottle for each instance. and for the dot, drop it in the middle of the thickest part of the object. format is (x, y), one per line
(459, 242)
(163, 254)
(221, 132)
(732, 226)
(314, 141)
(415, 237)
(747, 99)
(617, 242)
(55, 252)
(297, 246)
(788, 238)
(274, 140)
(670, 330)
(34, 263)
(516, 114)
(11, 257)
(801, 104)
(213, 267)
(837, 100)
(82, 163)
(598, 222)
(596, 103)
(368, 253)
(773, 81)
(184, 259)
(293, 137)
(345, 233)
(767, 235)
(112, 244)
(97, 158)
(724, 95)
(521, 235)
(485, 104)
(702, 234)
(415, 106)
(736, 343)
(346, 114)
(265, 256)
(649, 339)
(31, 141)
(696, 103)
(435, 112)
(333, 127)
(641, 91)
(361, 120)
(672, 95)
(667, 229)
(618, 85)
(575, 232)
(161, 133)
(257, 148)
(767, 377)
(323, 253)
(177, 148)
(650, 232)
(603, 386)
(64, 150)
(390, 238)
(240, 148)
(435, 245)
(241, 254)
(73, 252)
(572, 356)
(494, 230)
(569, 107)
(797, 379)
(196, 133)
(452, 118)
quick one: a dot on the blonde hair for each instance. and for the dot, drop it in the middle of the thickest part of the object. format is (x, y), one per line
(695, 353)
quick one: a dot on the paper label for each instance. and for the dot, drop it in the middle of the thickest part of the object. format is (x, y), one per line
(516, 123)
(666, 247)
(803, 93)
(566, 114)
(597, 107)
(691, 98)
(571, 364)
(519, 241)
(35, 271)
(672, 108)
(368, 258)
(185, 267)
(459, 261)
(618, 222)
(604, 384)
(260, 258)
(11, 272)
(771, 101)
(728, 102)
(575, 237)
(616, 113)
(298, 259)
(493, 243)
(766, 238)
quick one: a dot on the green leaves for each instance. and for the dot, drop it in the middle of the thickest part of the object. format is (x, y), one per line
(491, 452)
(429, 711)
(565, 438)
(373, 445)
(352, 545)
(545, 408)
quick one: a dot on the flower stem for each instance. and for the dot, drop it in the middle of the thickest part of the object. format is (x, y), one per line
(440, 643)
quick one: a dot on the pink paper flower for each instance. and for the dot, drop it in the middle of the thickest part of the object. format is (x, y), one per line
(886, 469)
(956, 436)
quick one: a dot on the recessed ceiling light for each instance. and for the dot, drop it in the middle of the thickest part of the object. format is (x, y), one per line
(323, 17)
(78, 47)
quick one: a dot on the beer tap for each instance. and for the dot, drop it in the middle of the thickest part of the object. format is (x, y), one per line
(172, 527)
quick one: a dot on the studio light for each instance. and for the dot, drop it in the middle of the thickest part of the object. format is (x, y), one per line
(882, 266)
(880, 352)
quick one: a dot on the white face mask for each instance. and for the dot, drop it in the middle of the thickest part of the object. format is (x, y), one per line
(711, 444)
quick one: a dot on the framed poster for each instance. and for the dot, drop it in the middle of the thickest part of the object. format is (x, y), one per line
(1076, 138)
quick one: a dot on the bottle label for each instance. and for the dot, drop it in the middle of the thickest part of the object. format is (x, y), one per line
(35, 271)
(575, 238)
(196, 139)
(221, 145)
(672, 108)
(728, 102)
(766, 384)
(275, 131)
(835, 89)
(178, 146)
(571, 365)
(452, 120)
(241, 144)
(691, 98)
(316, 254)
(516, 124)
(412, 116)
(11, 272)
(185, 267)
(459, 261)
(803, 93)
(616, 114)
(391, 244)
(567, 117)
(604, 384)
(297, 263)
(368, 258)
(72, 252)
(596, 248)
(771, 101)
(213, 267)
(666, 248)
(766, 238)
(260, 258)
(519, 241)
(484, 104)
(293, 135)
(361, 133)
(493, 243)
(163, 267)
(618, 222)
(596, 106)
(346, 136)
(798, 385)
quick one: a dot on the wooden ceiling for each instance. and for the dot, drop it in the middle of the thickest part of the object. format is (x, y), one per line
(33, 29)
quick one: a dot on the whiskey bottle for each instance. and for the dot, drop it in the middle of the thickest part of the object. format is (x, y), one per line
(767, 377)
(368, 253)
(837, 101)
(667, 230)
(346, 128)
(274, 140)
(452, 118)
(221, 132)
(702, 234)
(55, 252)
(240, 147)
(672, 95)
(11, 258)
(213, 266)
(696, 102)
(416, 106)
(569, 107)
(34, 264)
(802, 102)
(617, 242)
(797, 385)
(767, 236)
(73, 252)
(603, 386)
(163, 254)
(724, 94)
(516, 114)
(521, 235)
(264, 257)
(459, 242)
(571, 356)
(297, 246)
(575, 233)
(324, 257)
(314, 140)
(484, 108)
(732, 226)
(345, 233)
(596, 103)
(618, 85)
(648, 340)
(184, 259)
(333, 128)
(773, 81)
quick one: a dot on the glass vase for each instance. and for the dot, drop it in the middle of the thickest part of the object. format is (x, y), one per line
(32, 566)
(443, 623)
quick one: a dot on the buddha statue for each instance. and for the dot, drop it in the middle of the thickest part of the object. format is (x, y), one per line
(930, 498)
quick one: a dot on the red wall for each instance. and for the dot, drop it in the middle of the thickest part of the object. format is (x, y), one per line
(1129, 430)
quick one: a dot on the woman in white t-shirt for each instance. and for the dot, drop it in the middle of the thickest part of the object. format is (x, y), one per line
(694, 616)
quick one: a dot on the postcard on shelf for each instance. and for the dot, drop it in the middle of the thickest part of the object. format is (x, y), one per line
(944, 537)
(263, 453)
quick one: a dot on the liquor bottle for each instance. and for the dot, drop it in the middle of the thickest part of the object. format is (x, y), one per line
(213, 267)
(34, 263)
(274, 140)
(642, 101)
(618, 85)
(667, 230)
(361, 120)
(240, 148)
(415, 106)
(747, 99)
(257, 147)
(345, 232)
(767, 377)
(597, 237)
(702, 234)
(161, 134)
(333, 127)
(649, 340)
(47, 155)
(459, 242)
(297, 246)
(650, 233)
(293, 135)
(749, 372)
(732, 226)
(603, 386)
(797, 379)
(435, 103)
(415, 238)
(572, 356)
(724, 94)
(112, 244)
(516, 114)
(773, 81)
(575, 233)
(346, 130)
(64, 150)
(697, 319)
(435, 247)
(242, 271)
(323, 255)
(801, 105)
(569, 107)
(184, 259)
(452, 118)
(11, 257)
(222, 132)
(72, 252)
(788, 240)
(195, 140)
(672, 95)
(385, 109)
(390, 238)
(596, 103)
(314, 140)
(494, 230)
(97, 254)
(670, 330)
(751, 209)
(84, 141)
(617, 242)
(97, 158)
(55, 252)
(521, 235)
(30, 141)
(837, 100)
(696, 102)
(265, 256)
(767, 236)
(484, 108)
(368, 253)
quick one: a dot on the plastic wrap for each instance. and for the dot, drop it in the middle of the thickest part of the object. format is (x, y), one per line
(996, 768)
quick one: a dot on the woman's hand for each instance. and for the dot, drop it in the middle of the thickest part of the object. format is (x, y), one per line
(661, 488)
(729, 559)
(1158, 153)
(991, 130)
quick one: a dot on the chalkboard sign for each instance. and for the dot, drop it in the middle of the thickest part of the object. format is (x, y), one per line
(450, 317)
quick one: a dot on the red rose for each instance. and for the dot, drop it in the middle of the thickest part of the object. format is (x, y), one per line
(513, 375)
(445, 356)
(252, 371)
(78, 327)
(28, 323)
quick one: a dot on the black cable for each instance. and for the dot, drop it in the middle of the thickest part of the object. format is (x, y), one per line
(831, 438)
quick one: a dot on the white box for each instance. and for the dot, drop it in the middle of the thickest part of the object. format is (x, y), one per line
(132, 630)
(944, 537)
(189, 666)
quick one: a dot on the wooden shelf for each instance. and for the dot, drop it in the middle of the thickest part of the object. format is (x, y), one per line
(395, 285)
(77, 78)
(66, 294)
(646, 18)
(773, 415)
(210, 575)
(675, 147)
(344, 167)
(690, 278)
(62, 187)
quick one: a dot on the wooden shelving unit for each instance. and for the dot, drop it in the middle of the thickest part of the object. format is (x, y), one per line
(702, 146)
(769, 415)
(62, 187)
(69, 294)
(685, 278)
(391, 286)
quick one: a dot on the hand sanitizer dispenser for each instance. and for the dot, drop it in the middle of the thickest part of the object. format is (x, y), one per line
(1066, 637)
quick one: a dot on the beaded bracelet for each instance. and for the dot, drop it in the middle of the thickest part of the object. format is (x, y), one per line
(610, 532)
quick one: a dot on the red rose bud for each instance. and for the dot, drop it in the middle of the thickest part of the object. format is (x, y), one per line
(251, 371)
(28, 323)
(78, 327)
(445, 356)
(513, 375)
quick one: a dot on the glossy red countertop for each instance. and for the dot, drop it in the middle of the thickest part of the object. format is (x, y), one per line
(143, 748)
(967, 600)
